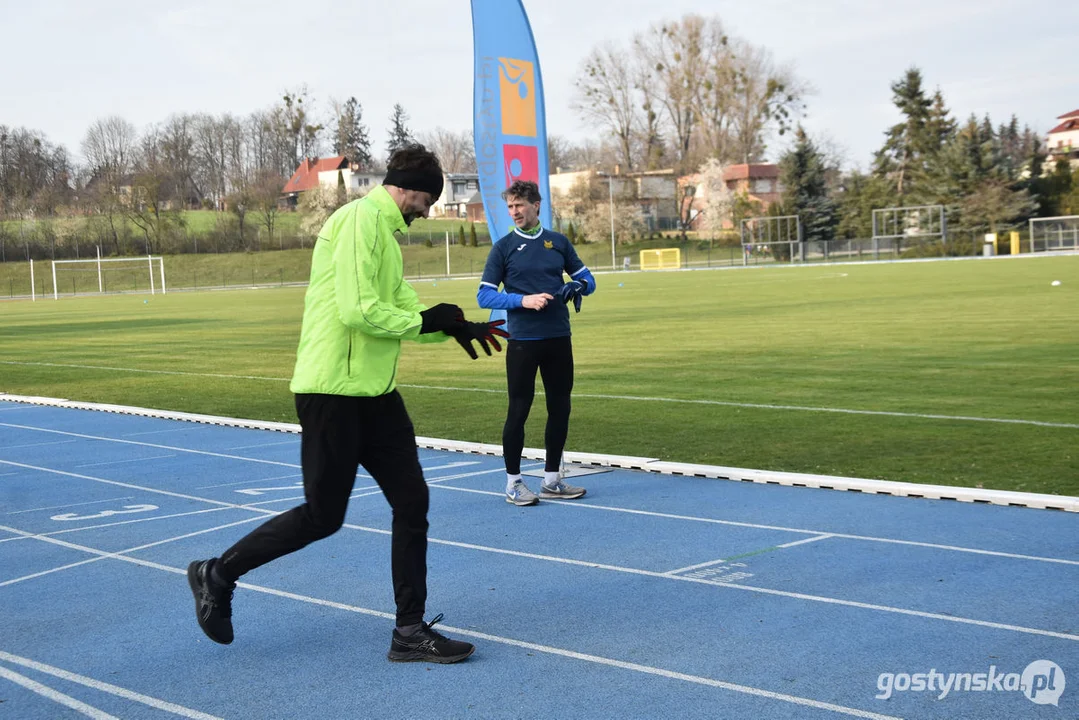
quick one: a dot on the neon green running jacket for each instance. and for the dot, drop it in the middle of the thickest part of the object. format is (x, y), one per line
(358, 307)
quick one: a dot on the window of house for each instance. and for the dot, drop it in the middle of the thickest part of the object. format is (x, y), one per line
(473, 185)
(458, 187)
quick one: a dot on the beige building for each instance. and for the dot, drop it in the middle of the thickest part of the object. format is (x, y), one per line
(759, 182)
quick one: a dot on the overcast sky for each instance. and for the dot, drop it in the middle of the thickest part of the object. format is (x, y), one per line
(70, 62)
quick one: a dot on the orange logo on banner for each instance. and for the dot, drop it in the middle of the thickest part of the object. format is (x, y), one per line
(517, 83)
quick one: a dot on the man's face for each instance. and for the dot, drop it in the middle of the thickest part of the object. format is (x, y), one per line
(524, 213)
(416, 204)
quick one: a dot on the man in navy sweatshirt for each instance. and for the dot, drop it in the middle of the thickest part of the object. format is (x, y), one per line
(529, 263)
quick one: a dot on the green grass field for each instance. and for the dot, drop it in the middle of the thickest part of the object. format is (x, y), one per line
(769, 368)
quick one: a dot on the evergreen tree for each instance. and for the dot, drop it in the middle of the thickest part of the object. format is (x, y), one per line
(461, 235)
(939, 127)
(342, 191)
(400, 135)
(858, 196)
(472, 239)
(970, 178)
(907, 143)
(803, 172)
(351, 137)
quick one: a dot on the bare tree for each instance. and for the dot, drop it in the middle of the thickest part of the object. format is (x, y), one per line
(150, 206)
(765, 98)
(264, 195)
(605, 96)
(293, 118)
(455, 150)
(109, 148)
(178, 150)
(559, 153)
(676, 57)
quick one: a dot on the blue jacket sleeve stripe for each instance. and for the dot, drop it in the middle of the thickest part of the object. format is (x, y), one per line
(489, 298)
(586, 275)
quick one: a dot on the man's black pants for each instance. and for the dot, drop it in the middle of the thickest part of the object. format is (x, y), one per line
(553, 358)
(341, 433)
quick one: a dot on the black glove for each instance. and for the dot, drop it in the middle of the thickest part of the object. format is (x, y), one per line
(573, 290)
(443, 316)
(485, 332)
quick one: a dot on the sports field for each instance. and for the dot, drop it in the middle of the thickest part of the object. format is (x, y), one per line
(954, 372)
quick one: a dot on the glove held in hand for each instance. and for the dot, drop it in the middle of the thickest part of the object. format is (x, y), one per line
(443, 316)
(485, 332)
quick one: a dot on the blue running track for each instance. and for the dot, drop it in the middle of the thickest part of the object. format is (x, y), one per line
(655, 596)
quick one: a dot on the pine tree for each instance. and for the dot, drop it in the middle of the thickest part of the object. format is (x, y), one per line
(939, 127)
(400, 135)
(970, 177)
(461, 235)
(803, 172)
(472, 239)
(908, 142)
(351, 137)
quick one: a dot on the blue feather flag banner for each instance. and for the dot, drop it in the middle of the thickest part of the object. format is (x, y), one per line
(510, 125)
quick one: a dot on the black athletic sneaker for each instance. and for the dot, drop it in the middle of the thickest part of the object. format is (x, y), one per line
(428, 645)
(213, 602)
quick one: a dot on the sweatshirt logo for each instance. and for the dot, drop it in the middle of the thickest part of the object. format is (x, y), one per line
(548, 244)
(521, 247)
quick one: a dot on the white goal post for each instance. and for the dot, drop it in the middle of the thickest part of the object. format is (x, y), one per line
(1054, 233)
(147, 262)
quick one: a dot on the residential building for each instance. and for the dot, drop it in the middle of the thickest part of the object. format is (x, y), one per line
(1063, 140)
(328, 172)
(759, 182)
(457, 192)
(653, 190)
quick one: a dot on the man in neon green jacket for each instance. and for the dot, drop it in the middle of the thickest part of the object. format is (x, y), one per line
(357, 310)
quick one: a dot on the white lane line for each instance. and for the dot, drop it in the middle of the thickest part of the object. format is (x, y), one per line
(117, 483)
(102, 555)
(710, 563)
(124, 462)
(579, 504)
(162, 432)
(616, 568)
(780, 528)
(600, 396)
(71, 505)
(548, 649)
(55, 695)
(806, 540)
(173, 448)
(40, 444)
(107, 688)
(290, 476)
(293, 441)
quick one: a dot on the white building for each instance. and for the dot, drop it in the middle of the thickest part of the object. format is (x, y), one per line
(1063, 140)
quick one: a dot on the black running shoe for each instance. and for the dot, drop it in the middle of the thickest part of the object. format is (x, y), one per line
(428, 645)
(213, 602)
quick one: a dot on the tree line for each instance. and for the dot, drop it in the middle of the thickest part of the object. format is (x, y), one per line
(682, 94)
(988, 177)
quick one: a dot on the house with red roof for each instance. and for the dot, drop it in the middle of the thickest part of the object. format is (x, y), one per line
(1063, 140)
(328, 172)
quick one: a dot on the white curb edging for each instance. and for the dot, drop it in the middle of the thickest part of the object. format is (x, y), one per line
(829, 482)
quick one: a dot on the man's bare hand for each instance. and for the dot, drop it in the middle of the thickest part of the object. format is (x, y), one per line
(537, 301)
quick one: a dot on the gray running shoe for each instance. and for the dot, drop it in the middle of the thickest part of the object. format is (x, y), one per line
(519, 494)
(561, 491)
